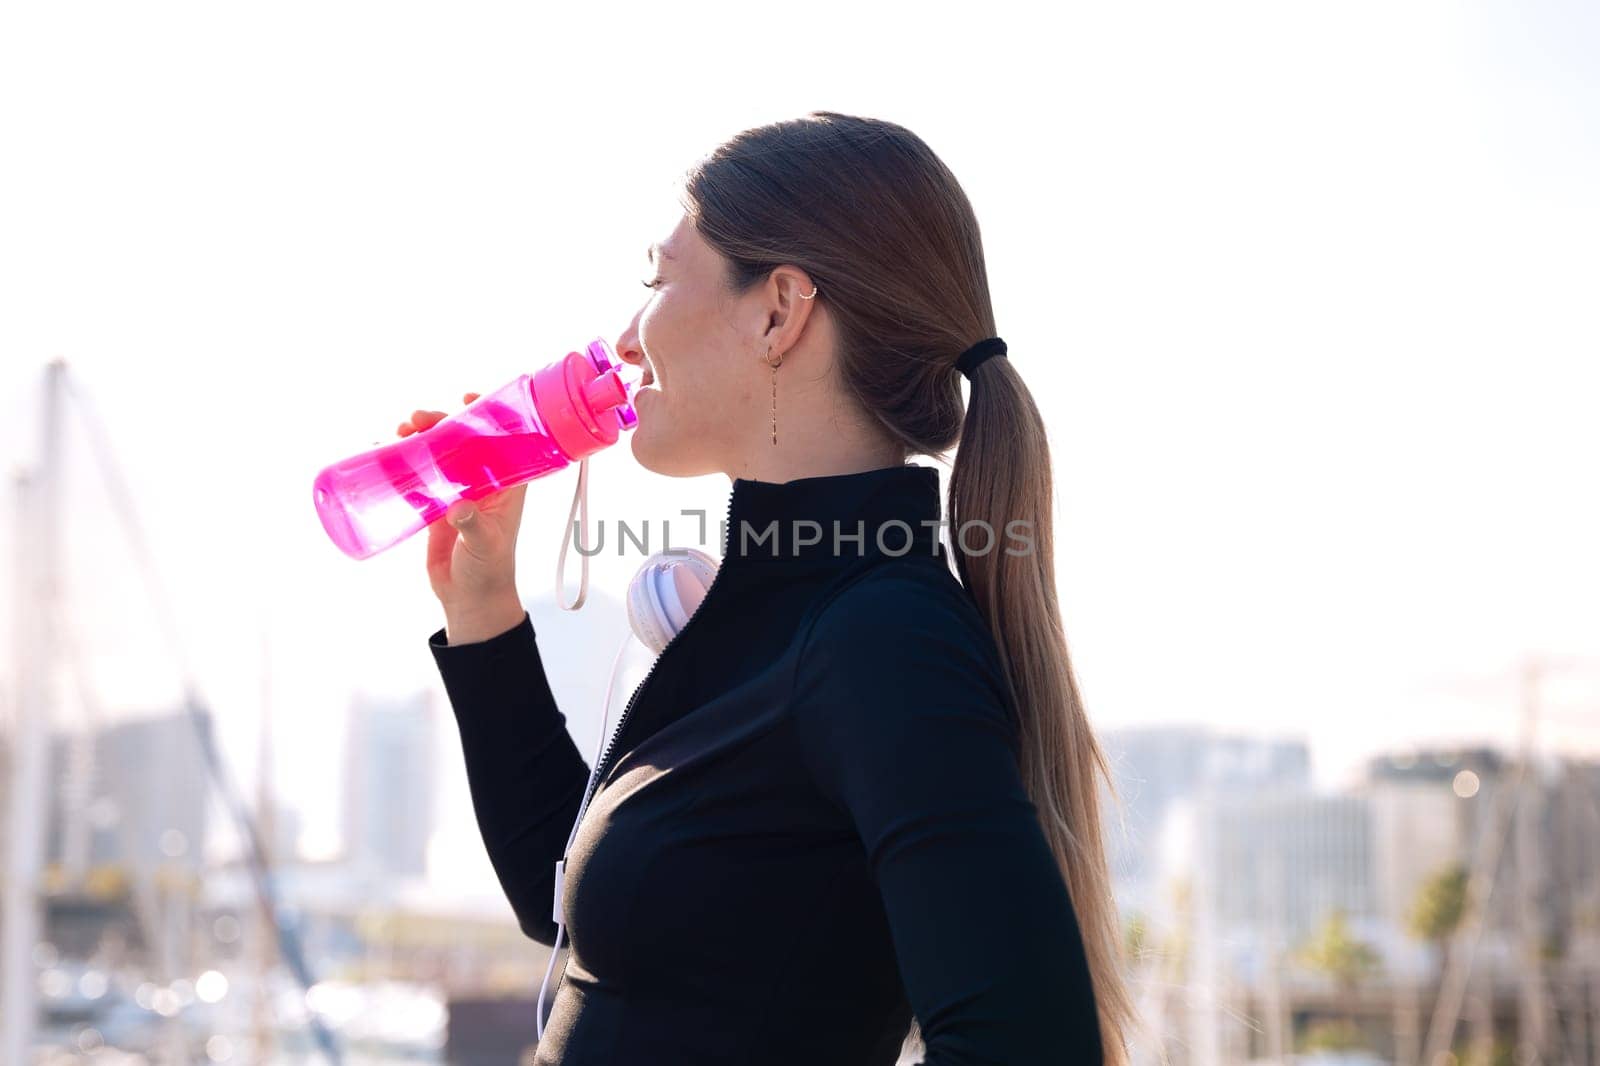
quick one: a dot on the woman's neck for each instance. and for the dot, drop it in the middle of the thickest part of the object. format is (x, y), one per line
(815, 455)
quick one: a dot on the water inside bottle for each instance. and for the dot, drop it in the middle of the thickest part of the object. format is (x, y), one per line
(382, 497)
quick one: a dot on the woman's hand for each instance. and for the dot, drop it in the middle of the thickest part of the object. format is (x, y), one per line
(472, 555)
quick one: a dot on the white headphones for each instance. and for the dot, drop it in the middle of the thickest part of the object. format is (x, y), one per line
(665, 592)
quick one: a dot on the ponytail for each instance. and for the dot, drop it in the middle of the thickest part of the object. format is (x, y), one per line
(1002, 474)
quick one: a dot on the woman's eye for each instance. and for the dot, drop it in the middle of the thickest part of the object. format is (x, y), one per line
(651, 284)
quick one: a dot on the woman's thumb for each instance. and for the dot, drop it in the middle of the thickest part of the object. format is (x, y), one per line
(463, 517)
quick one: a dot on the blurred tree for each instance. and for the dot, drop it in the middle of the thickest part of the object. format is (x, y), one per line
(1438, 909)
(1336, 952)
(1326, 1035)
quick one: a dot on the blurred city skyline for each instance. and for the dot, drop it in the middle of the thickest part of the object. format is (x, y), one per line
(1262, 913)
(1305, 297)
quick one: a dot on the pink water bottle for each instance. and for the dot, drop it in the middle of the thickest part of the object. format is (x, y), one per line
(535, 424)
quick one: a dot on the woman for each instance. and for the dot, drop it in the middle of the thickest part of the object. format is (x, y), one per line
(855, 793)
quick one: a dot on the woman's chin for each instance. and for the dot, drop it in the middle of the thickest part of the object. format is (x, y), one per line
(646, 438)
(654, 444)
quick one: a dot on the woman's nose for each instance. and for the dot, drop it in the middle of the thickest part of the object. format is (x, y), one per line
(627, 347)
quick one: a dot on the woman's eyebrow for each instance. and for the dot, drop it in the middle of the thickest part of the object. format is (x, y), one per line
(651, 252)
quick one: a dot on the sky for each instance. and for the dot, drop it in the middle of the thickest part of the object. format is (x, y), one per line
(1304, 292)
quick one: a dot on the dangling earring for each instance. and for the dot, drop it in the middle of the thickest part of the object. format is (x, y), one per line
(774, 366)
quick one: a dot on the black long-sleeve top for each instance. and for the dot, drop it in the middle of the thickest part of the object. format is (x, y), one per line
(811, 823)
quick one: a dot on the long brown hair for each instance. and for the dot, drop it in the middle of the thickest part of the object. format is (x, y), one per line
(885, 230)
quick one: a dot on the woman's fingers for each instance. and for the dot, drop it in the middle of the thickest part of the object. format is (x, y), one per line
(421, 420)
(441, 547)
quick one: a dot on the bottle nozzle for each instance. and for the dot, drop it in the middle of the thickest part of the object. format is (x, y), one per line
(605, 392)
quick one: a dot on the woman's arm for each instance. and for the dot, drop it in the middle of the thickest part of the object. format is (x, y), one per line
(901, 716)
(525, 773)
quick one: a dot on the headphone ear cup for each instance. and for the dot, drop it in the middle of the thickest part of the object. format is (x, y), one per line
(665, 592)
(703, 565)
(643, 617)
(667, 598)
(693, 576)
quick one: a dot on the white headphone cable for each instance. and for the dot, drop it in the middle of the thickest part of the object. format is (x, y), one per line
(561, 864)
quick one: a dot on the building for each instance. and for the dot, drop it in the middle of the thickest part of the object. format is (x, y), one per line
(1433, 810)
(1274, 865)
(144, 798)
(390, 783)
(1155, 768)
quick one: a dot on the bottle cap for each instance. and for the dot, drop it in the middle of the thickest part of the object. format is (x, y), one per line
(603, 358)
(583, 401)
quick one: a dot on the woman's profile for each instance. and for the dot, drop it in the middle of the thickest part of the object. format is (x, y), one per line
(856, 797)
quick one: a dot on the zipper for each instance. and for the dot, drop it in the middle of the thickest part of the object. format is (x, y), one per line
(603, 766)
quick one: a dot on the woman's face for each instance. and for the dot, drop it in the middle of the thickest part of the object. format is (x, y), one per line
(701, 347)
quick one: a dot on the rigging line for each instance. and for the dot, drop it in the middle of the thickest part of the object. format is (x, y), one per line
(198, 712)
(133, 529)
(261, 873)
(1483, 875)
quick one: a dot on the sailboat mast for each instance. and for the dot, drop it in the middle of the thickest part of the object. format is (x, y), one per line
(38, 587)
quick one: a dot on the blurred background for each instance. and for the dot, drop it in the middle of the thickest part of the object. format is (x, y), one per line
(1306, 293)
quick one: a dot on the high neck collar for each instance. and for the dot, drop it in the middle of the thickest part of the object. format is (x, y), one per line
(813, 520)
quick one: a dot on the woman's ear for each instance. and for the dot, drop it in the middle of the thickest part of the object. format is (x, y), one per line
(789, 304)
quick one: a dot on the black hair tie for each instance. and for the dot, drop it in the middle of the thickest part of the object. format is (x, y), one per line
(974, 356)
